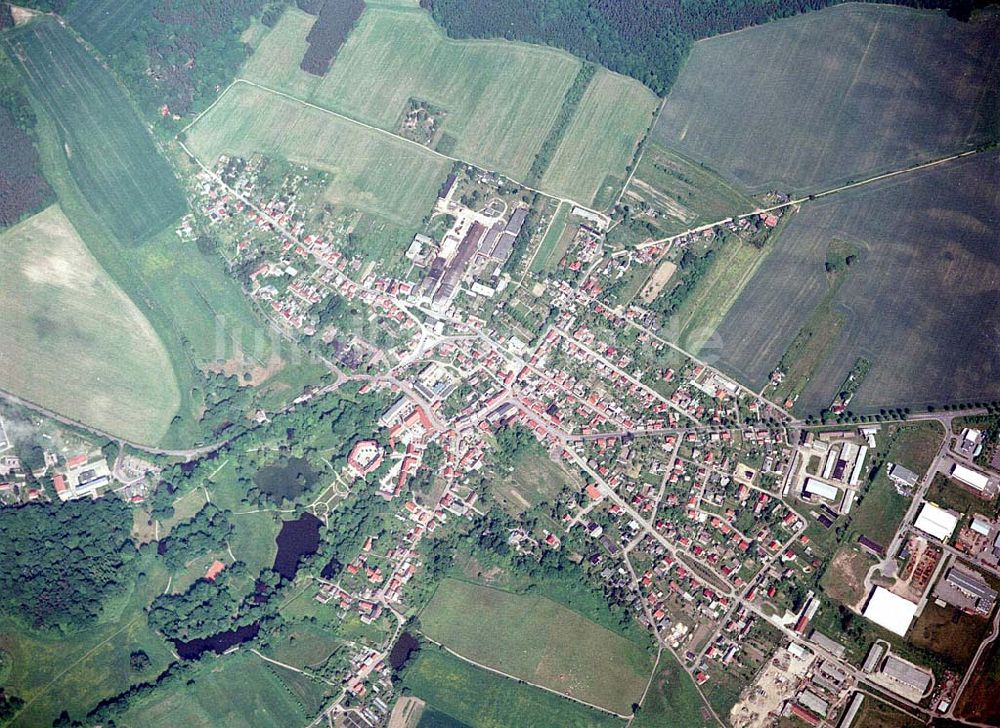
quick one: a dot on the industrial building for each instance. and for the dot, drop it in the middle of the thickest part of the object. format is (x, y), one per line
(890, 611)
(903, 477)
(967, 476)
(821, 489)
(974, 588)
(936, 522)
(906, 674)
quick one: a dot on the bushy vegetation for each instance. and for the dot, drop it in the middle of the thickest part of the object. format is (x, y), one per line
(645, 39)
(61, 562)
(23, 189)
(334, 24)
(207, 531)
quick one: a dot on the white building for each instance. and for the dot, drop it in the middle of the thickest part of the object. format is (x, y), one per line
(969, 477)
(890, 611)
(823, 490)
(936, 522)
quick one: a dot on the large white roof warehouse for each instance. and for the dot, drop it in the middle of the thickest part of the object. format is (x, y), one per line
(936, 522)
(890, 611)
(970, 477)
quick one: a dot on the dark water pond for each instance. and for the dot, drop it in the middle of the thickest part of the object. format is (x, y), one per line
(405, 646)
(332, 568)
(285, 480)
(297, 539)
(217, 643)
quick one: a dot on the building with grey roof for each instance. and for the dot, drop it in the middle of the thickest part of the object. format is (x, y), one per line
(902, 476)
(832, 646)
(974, 588)
(906, 673)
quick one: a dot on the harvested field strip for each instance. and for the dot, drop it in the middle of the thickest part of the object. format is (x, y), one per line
(73, 341)
(543, 259)
(111, 155)
(813, 101)
(539, 641)
(371, 171)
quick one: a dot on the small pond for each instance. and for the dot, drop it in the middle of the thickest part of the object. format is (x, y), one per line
(297, 539)
(217, 643)
(285, 480)
(405, 646)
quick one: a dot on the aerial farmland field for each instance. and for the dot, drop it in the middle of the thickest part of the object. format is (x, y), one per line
(539, 641)
(111, 155)
(497, 96)
(589, 165)
(919, 302)
(479, 699)
(74, 342)
(107, 23)
(814, 101)
(372, 171)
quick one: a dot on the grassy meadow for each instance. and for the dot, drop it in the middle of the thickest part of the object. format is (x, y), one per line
(74, 342)
(813, 101)
(55, 672)
(111, 155)
(107, 23)
(480, 699)
(538, 640)
(590, 163)
(916, 303)
(371, 171)
(238, 689)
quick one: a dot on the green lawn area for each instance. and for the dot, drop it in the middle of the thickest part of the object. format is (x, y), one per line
(844, 578)
(112, 156)
(235, 690)
(371, 171)
(547, 256)
(500, 98)
(947, 493)
(590, 162)
(54, 672)
(538, 640)
(685, 194)
(305, 645)
(480, 699)
(73, 340)
(673, 700)
(535, 479)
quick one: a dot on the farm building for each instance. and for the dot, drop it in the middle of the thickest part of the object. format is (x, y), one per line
(890, 611)
(823, 490)
(968, 476)
(936, 522)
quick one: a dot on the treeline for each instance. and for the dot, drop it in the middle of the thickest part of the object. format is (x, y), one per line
(645, 39)
(558, 130)
(23, 188)
(207, 531)
(333, 24)
(62, 561)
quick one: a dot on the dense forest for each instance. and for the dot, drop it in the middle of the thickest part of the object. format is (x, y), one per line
(645, 39)
(334, 23)
(23, 189)
(62, 561)
(207, 531)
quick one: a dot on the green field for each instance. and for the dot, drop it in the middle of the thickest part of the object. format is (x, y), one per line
(232, 691)
(372, 171)
(590, 163)
(74, 342)
(813, 101)
(683, 194)
(498, 95)
(111, 155)
(538, 641)
(673, 700)
(480, 699)
(108, 24)
(500, 98)
(55, 672)
(918, 303)
(543, 259)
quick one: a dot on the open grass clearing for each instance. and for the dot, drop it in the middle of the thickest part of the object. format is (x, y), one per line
(539, 641)
(950, 633)
(844, 578)
(111, 154)
(680, 194)
(590, 163)
(497, 95)
(480, 699)
(73, 340)
(303, 646)
(535, 479)
(673, 700)
(371, 171)
(813, 101)
(108, 24)
(238, 689)
(918, 301)
(548, 254)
